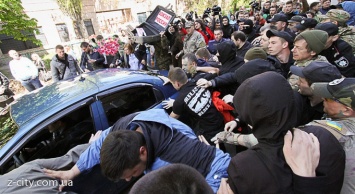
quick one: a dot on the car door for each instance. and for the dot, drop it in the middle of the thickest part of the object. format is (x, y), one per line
(130, 98)
(76, 115)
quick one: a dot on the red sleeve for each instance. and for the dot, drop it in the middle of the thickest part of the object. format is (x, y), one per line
(210, 33)
(204, 36)
(183, 31)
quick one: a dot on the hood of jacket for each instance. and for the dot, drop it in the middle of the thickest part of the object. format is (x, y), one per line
(266, 102)
(202, 63)
(225, 17)
(252, 68)
(227, 51)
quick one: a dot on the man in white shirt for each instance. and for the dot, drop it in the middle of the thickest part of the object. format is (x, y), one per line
(23, 70)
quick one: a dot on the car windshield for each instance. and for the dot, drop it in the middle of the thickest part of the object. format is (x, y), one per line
(8, 127)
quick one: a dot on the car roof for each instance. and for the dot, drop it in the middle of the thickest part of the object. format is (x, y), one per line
(37, 106)
(61, 93)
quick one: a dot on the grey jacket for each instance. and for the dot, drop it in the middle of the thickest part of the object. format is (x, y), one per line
(58, 68)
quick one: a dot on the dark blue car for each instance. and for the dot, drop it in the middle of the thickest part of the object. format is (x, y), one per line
(95, 100)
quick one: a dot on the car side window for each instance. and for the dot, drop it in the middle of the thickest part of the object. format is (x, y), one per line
(124, 102)
(56, 138)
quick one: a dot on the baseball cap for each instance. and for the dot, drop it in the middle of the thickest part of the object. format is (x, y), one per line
(281, 34)
(317, 71)
(189, 24)
(329, 27)
(278, 17)
(341, 90)
(306, 23)
(296, 18)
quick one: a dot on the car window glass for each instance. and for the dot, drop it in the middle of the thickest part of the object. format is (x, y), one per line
(56, 138)
(124, 102)
(8, 127)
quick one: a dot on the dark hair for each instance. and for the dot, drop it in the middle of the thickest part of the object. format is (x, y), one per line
(203, 27)
(289, 2)
(59, 47)
(172, 179)
(99, 37)
(313, 4)
(191, 57)
(120, 151)
(239, 35)
(203, 53)
(218, 29)
(84, 44)
(309, 12)
(177, 74)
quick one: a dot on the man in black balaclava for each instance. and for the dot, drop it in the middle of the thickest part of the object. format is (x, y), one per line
(247, 26)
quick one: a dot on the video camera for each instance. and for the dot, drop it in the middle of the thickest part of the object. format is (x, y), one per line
(189, 16)
(215, 10)
(254, 4)
(206, 13)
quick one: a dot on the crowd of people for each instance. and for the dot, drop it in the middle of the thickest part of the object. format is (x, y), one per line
(266, 102)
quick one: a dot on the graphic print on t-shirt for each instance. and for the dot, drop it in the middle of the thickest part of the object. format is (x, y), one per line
(198, 100)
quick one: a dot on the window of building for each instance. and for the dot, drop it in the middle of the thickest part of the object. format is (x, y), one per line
(41, 36)
(63, 32)
(9, 43)
(89, 27)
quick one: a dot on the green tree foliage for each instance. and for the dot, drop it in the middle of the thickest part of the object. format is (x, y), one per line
(14, 21)
(73, 9)
(235, 4)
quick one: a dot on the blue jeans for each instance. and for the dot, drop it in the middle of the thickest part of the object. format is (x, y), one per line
(32, 84)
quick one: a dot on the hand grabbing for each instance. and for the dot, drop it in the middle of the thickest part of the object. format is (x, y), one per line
(230, 126)
(95, 137)
(168, 103)
(203, 83)
(228, 98)
(302, 152)
(226, 137)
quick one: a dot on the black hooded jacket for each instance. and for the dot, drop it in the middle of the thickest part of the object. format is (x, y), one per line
(247, 70)
(230, 62)
(227, 29)
(267, 103)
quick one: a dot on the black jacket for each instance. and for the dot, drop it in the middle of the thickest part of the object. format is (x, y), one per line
(227, 29)
(230, 62)
(266, 102)
(282, 69)
(227, 57)
(340, 54)
(249, 69)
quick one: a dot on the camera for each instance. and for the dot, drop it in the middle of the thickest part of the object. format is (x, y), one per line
(215, 10)
(254, 4)
(206, 13)
(189, 16)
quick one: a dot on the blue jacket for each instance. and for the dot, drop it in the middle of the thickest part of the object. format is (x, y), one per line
(156, 123)
(213, 43)
(349, 6)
